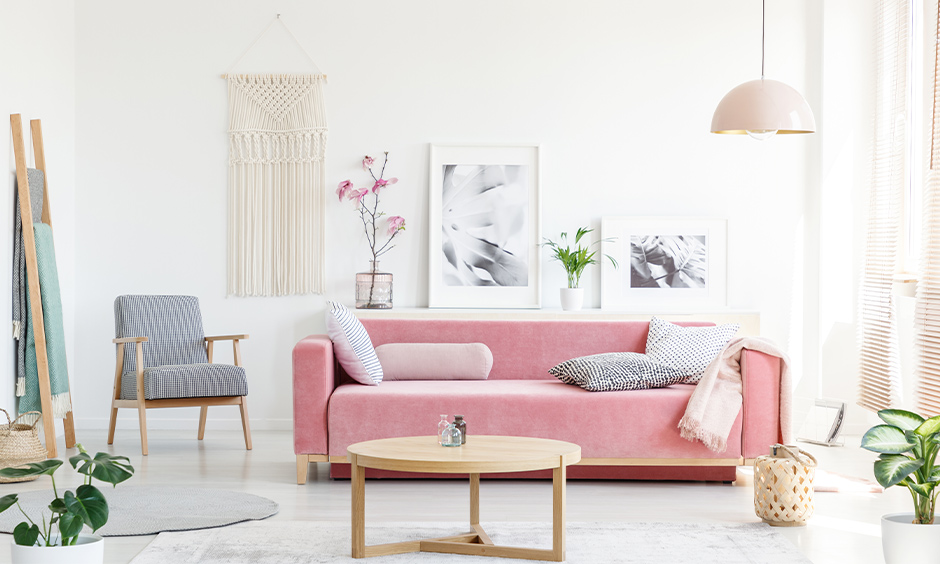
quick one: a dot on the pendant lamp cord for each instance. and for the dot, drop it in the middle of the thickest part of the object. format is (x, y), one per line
(763, 31)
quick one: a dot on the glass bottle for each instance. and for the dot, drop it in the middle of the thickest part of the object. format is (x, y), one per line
(462, 425)
(441, 426)
(451, 436)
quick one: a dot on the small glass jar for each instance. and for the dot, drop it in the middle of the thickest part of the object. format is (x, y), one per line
(451, 436)
(462, 426)
(441, 426)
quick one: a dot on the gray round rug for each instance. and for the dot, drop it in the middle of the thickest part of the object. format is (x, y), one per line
(148, 510)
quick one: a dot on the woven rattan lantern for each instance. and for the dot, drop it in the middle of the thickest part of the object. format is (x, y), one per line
(783, 486)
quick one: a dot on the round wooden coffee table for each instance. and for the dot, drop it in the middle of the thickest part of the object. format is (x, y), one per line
(480, 455)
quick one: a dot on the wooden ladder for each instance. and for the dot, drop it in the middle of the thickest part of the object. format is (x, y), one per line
(32, 274)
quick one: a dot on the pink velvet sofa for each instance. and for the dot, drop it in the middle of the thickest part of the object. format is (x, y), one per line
(623, 435)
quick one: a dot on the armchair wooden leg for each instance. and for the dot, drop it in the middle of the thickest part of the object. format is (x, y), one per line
(142, 413)
(203, 411)
(245, 428)
(112, 425)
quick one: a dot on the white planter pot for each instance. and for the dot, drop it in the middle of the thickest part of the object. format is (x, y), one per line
(572, 299)
(904, 542)
(88, 550)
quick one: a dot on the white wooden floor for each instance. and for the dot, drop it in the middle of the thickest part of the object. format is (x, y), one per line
(845, 528)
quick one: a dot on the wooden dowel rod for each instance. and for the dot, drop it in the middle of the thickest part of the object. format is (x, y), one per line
(323, 76)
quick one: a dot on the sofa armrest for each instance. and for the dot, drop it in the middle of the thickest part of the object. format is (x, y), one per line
(761, 425)
(313, 368)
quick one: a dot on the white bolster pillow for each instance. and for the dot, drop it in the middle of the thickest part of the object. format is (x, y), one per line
(435, 361)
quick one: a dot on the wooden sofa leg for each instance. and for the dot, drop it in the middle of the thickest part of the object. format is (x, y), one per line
(142, 414)
(203, 412)
(302, 464)
(245, 427)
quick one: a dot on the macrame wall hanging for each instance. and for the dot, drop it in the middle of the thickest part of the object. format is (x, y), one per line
(277, 144)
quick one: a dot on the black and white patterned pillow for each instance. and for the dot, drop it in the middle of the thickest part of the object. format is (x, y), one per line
(352, 345)
(687, 349)
(612, 372)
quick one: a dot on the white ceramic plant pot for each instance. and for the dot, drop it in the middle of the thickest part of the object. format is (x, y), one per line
(572, 299)
(88, 550)
(904, 542)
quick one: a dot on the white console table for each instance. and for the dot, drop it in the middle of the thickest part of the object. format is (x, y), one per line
(749, 320)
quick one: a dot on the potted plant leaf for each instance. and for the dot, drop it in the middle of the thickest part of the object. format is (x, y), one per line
(908, 445)
(574, 261)
(59, 537)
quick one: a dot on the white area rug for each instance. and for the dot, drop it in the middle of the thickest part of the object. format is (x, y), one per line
(148, 510)
(311, 542)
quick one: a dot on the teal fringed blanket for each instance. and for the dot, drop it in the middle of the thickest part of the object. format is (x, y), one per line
(54, 330)
(36, 186)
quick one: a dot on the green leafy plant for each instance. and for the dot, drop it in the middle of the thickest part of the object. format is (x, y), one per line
(908, 445)
(575, 260)
(72, 510)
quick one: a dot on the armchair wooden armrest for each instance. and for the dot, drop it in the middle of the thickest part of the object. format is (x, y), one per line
(129, 340)
(226, 338)
(236, 350)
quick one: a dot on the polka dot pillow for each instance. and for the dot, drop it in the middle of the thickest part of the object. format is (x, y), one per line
(687, 349)
(611, 372)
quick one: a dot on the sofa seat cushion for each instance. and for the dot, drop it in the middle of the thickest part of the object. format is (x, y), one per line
(187, 381)
(629, 424)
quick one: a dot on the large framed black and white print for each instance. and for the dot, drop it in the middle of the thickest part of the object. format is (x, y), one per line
(484, 226)
(666, 264)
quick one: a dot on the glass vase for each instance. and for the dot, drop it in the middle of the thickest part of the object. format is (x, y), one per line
(462, 427)
(451, 436)
(441, 427)
(374, 288)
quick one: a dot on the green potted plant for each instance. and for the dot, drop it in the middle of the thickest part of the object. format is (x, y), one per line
(908, 445)
(59, 537)
(574, 261)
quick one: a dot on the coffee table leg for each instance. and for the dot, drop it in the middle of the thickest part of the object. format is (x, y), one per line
(558, 512)
(474, 499)
(358, 486)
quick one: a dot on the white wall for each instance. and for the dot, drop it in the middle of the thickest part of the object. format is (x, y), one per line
(846, 129)
(619, 95)
(37, 80)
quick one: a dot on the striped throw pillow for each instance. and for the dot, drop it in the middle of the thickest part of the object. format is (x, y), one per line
(352, 345)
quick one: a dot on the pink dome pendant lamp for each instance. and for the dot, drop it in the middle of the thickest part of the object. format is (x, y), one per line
(763, 108)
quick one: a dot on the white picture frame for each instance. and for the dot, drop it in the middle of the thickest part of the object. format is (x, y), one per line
(648, 279)
(484, 248)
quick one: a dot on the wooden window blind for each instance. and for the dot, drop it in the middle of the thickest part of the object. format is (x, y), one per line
(879, 359)
(927, 312)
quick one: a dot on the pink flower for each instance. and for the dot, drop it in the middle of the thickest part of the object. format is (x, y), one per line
(367, 162)
(344, 187)
(358, 195)
(395, 223)
(381, 183)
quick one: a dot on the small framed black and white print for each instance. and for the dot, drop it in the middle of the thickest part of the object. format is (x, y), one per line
(484, 226)
(666, 264)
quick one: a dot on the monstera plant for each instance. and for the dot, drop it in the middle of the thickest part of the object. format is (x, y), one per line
(71, 511)
(668, 261)
(908, 445)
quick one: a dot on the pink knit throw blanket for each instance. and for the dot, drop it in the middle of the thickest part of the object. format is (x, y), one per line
(717, 398)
